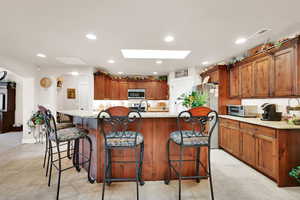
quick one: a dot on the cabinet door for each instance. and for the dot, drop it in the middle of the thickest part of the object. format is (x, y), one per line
(248, 147)
(115, 89)
(246, 80)
(266, 151)
(98, 87)
(123, 90)
(214, 77)
(151, 90)
(261, 76)
(284, 72)
(107, 87)
(234, 82)
(234, 141)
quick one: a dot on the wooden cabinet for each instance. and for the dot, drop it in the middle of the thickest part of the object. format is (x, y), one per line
(248, 146)
(123, 87)
(255, 145)
(108, 88)
(234, 82)
(261, 76)
(246, 80)
(266, 151)
(115, 89)
(99, 87)
(274, 73)
(230, 136)
(284, 72)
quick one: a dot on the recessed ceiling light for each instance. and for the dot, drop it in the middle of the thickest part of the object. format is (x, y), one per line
(205, 63)
(155, 54)
(158, 62)
(41, 55)
(120, 72)
(169, 38)
(154, 73)
(111, 61)
(240, 40)
(75, 73)
(91, 36)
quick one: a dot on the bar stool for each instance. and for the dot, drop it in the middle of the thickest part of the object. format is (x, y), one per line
(62, 136)
(195, 127)
(59, 126)
(114, 127)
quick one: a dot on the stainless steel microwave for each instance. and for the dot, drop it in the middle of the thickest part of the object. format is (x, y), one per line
(242, 110)
(136, 93)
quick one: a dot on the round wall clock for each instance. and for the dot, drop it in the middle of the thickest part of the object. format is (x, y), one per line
(45, 82)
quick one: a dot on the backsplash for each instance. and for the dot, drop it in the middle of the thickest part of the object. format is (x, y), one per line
(103, 104)
(281, 103)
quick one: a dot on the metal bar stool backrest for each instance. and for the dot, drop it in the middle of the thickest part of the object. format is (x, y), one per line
(200, 120)
(50, 124)
(119, 120)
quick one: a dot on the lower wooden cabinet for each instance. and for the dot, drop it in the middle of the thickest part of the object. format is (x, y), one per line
(266, 152)
(255, 145)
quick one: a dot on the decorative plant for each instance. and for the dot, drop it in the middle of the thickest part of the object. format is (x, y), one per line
(36, 119)
(194, 99)
(295, 173)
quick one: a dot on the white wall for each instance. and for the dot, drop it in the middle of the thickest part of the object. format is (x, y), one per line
(280, 102)
(179, 86)
(69, 81)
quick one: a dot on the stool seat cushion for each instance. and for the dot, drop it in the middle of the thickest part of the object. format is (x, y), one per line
(124, 139)
(69, 134)
(60, 126)
(190, 138)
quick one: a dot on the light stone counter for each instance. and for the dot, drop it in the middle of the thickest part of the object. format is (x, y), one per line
(258, 121)
(91, 114)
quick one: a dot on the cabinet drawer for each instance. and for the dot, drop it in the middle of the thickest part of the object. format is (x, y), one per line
(265, 132)
(228, 123)
(248, 128)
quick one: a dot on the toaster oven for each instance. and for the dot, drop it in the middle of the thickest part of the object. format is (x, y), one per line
(242, 110)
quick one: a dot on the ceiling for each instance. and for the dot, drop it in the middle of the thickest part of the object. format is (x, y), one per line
(208, 28)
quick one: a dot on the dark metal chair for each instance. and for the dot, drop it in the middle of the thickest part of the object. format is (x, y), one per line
(59, 126)
(63, 136)
(115, 123)
(195, 127)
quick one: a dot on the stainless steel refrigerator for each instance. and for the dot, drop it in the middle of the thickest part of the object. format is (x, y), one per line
(213, 95)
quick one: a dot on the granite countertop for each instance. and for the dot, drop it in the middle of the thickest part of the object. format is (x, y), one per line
(258, 121)
(91, 114)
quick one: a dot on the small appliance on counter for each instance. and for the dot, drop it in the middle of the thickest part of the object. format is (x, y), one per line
(270, 113)
(242, 110)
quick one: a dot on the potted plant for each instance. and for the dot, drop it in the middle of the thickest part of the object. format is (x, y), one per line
(36, 119)
(295, 173)
(194, 99)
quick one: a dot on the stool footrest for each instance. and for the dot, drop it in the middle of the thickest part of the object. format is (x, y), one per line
(121, 179)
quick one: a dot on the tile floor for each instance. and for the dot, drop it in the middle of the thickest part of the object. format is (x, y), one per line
(22, 178)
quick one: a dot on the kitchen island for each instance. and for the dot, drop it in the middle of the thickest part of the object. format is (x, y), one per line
(156, 128)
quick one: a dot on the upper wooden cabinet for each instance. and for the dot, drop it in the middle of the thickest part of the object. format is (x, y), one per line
(107, 88)
(261, 76)
(246, 80)
(285, 72)
(234, 89)
(275, 73)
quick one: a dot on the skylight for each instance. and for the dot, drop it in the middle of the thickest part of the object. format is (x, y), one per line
(155, 54)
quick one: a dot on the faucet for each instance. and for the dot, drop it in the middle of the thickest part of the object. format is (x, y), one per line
(140, 106)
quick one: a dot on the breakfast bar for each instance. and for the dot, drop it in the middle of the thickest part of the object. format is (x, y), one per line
(156, 128)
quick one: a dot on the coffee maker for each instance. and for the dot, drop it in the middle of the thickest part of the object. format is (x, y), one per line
(270, 113)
